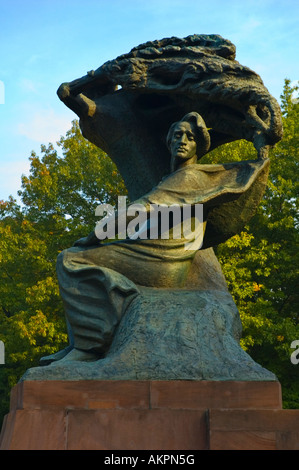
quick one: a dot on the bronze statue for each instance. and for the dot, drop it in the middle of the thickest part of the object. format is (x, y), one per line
(114, 292)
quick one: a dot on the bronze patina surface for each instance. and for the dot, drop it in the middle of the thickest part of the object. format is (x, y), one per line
(148, 308)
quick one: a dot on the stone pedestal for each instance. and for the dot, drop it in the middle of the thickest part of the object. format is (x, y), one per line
(148, 415)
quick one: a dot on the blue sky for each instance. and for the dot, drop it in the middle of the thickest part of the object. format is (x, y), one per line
(46, 42)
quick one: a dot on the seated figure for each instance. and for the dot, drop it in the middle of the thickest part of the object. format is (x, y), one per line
(98, 281)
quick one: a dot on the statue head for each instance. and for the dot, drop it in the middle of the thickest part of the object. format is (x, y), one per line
(188, 140)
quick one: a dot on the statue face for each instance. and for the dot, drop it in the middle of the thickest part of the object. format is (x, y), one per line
(183, 144)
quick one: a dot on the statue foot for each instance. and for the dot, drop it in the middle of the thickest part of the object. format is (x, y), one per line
(46, 360)
(79, 355)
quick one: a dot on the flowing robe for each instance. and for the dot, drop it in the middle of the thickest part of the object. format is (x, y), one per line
(97, 283)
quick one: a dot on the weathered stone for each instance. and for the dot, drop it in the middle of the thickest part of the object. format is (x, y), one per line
(169, 335)
(148, 415)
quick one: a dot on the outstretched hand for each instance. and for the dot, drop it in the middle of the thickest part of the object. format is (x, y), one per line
(90, 240)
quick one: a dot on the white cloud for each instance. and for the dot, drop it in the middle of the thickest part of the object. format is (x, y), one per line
(44, 125)
(28, 85)
(34, 58)
(251, 25)
(10, 176)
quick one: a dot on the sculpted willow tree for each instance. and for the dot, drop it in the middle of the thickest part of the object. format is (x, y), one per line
(146, 309)
(161, 81)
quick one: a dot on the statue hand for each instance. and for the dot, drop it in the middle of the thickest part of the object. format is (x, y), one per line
(90, 240)
(263, 152)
